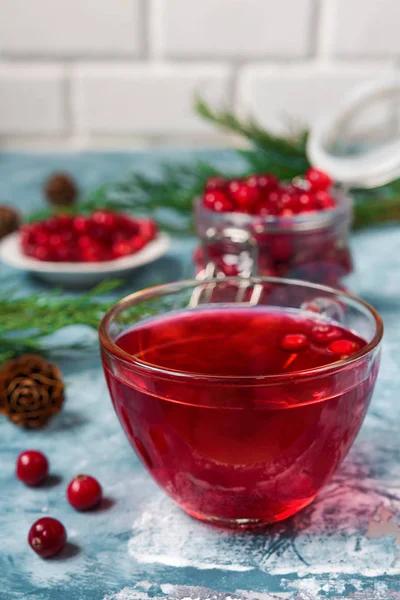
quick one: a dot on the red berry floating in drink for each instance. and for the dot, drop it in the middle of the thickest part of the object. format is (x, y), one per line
(101, 236)
(32, 467)
(325, 334)
(294, 342)
(47, 537)
(343, 347)
(84, 492)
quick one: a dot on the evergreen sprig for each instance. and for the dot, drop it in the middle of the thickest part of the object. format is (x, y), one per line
(26, 322)
(290, 146)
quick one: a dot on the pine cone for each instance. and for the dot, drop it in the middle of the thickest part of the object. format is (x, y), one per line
(61, 190)
(9, 220)
(31, 391)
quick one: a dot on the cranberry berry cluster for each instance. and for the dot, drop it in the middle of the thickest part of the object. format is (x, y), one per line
(267, 196)
(104, 235)
(47, 536)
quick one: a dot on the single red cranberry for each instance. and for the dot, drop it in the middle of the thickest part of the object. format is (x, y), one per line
(306, 202)
(324, 334)
(54, 240)
(32, 467)
(80, 224)
(233, 185)
(217, 201)
(215, 183)
(288, 202)
(274, 197)
(67, 236)
(62, 222)
(147, 229)
(64, 254)
(132, 226)
(137, 243)
(84, 492)
(41, 238)
(100, 232)
(324, 200)
(42, 253)
(104, 218)
(50, 225)
(47, 537)
(294, 342)
(84, 241)
(265, 183)
(92, 253)
(246, 197)
(121, 248)
(318, 180)
(269, 204)
(343, 347)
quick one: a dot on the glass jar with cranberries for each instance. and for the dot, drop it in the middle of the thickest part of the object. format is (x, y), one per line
(297, 229)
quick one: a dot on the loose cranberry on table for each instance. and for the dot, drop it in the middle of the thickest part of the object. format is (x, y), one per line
(47, 537)
(101, 236)
(264, 195)
(84, 492)
(32, 467)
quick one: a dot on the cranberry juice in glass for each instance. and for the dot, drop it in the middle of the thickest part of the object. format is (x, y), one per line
(241, 399)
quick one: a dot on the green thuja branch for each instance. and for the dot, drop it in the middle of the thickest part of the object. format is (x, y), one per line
(25, 322)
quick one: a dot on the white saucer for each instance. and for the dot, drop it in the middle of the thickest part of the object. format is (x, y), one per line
(73, 274)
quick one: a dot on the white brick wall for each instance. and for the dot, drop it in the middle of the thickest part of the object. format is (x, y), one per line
(112, 73)
(70, 28)
(32, 100)
(367, 28)
(299, 93)
(241, 29)
(145, 99)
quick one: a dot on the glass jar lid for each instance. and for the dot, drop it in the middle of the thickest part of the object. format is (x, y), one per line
(358, 144)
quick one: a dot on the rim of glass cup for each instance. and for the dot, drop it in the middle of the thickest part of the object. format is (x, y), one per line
(303, 221)
(164, 289)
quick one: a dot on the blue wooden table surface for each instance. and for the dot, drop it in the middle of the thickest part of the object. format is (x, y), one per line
(139, 546)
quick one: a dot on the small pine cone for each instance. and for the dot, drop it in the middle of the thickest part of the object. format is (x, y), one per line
(9, 220)
(61, 190)
(31, 391)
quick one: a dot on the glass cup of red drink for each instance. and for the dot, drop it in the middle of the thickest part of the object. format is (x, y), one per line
(241, 397)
